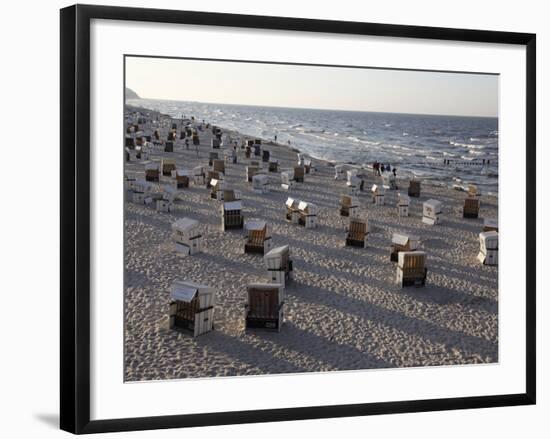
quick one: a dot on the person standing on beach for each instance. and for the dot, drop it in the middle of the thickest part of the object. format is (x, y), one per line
(186, 143)
(395, 172)
(275, 138)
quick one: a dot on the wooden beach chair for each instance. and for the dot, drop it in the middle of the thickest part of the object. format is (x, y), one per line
(191, 307)
(218, 166)
(258, 238)
(292, 212)
(488, 248)
(279, 265)
(299, 172)
(232, 217)
(349, 206)
(431, 212)
(198, 176)
(216, 189)
(250, 172)
(264, 308)
(212, 175)
(403, 202)
(471, 207)
(358, 231)
(152, 172)
(169, 146)
(490, 224)
(414, 188)
(273, 165)
(401, 242)
(141, 192)
(378, 195)
(167, 166)
(230, 156)
(181, 178)
(307, 214)
(211, 157)
(287, 180)
(260, 184)
(187, 236)
(411, 269)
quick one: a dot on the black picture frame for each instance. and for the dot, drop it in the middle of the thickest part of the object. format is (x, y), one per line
(75, 217)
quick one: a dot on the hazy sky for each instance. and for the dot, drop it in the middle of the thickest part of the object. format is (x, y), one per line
(314, 87)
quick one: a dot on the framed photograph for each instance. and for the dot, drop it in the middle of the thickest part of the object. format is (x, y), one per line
(273, 218)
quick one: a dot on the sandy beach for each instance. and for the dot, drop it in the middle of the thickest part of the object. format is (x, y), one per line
(343, 309)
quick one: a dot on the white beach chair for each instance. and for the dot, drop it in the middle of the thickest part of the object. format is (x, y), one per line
(488, 248)
(187, 236)
(191, 307)
(431, 212)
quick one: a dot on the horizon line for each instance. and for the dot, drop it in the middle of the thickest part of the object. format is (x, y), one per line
(307, 108)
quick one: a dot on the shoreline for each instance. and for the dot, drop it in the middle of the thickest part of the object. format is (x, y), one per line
(343, 308)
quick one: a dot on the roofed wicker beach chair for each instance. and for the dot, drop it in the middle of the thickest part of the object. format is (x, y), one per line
(401, 242)
(129, 143)
(215, 143)
(212, 175)
(431, 212)
(260, 184)
(488, 248)
(490, 224)
(218, 166)
(471, 207)
(273, 165)
(308, 166)
(191, 307)
(258, 239)
(403, 202)
(339, 173)
(216, 189)
(264, 308)
(411, 269)
(279, 265)
(349, 206)
(250, 172)
(299, 173)
(187, 236)
(232, 217)
(230, 155)
(287, 180)
(353, 184)
(212, 155)
(308, 214)
(358, 232)
(169, 146)
(152, 172)
(414, 188)
(388, 180)
(130, 154)
(167, 166)
(378, 195)
(292, 211)
(142, 192)
(198, 175)
(181, 178)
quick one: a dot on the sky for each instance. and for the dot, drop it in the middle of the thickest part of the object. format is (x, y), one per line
(336, 88)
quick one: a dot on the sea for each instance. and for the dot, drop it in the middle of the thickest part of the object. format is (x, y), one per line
(448, 150)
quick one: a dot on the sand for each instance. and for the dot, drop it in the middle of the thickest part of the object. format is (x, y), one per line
(343, 309)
